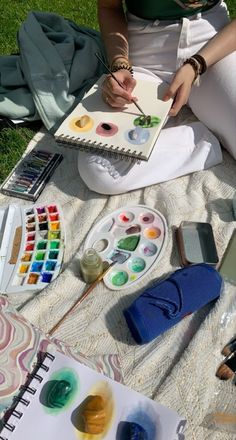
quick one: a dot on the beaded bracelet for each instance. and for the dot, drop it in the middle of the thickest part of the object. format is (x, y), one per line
(203, 65)
(199, 66)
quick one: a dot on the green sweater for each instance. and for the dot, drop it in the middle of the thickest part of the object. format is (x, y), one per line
(167, 9)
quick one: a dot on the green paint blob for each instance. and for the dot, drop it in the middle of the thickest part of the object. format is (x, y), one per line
(40, 256)
(41, 245)
(120, 278)
(142, 123)
(59, 391)
(54, 245)
(59, 394)
(129, 243)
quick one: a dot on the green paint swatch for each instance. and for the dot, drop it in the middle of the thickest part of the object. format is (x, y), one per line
(129, 243)
(59, 391)
(140, 121)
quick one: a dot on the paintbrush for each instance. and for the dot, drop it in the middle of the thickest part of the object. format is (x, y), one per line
(81, 298)
(227, 369)
(120, 84)
(230, 347)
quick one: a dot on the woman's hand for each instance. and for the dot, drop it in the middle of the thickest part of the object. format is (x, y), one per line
(115, 95)
(180, 88)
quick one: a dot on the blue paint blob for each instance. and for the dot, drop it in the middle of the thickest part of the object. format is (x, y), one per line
(137, 136)
(50, 265)
(142, 422)
(46, 277)
(131, 431)
(36, 267)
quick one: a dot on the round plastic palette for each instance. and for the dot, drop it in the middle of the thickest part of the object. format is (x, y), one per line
(134, 237)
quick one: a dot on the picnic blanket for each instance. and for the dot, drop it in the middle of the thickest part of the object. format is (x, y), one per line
(178, 368)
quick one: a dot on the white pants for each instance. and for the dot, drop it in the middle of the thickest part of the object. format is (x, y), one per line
(160, 47)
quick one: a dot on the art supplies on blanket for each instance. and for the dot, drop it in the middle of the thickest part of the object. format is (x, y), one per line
(228, 264)
(64, 399)
(97, 127)
(134, 237)
(30, 175)
(31, 247)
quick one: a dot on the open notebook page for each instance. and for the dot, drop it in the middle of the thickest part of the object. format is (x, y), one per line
(93, 124)
(49, 417)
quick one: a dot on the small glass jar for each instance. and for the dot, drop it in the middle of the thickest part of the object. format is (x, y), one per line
(91, 265)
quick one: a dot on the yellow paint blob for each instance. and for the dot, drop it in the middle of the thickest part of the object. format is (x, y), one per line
(24, 268)
(82, 123)
(96, 412)
(152, 233)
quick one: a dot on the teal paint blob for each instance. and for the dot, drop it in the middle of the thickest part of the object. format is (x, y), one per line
(120, 278)
(59, 391)
(137, 264)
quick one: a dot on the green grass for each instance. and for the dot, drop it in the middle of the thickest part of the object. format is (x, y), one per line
(13, 13)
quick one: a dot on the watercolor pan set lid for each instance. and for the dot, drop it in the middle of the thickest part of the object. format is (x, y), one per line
(134, 237)
(32, 242)
(30, 175)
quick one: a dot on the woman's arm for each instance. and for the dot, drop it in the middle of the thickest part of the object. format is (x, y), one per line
(221, 45)
(113, 27)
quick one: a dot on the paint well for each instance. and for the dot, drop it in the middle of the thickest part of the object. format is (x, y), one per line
(119, 278)
(137, 264)
(148, 249)
(152, 233)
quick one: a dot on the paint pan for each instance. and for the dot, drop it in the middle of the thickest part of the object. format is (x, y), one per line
(196, 243)
(31, 247)
(135, 238)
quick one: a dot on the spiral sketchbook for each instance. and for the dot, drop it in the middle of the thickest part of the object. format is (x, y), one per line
(64, 399)
(95, 126)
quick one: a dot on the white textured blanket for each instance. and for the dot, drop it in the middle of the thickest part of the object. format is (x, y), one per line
(177, 369)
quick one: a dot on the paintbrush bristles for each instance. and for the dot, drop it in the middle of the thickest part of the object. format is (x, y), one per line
(224, 372)
(229, 348)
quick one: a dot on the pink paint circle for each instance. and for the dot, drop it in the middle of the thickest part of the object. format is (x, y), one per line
(146, 218)
(106, 129)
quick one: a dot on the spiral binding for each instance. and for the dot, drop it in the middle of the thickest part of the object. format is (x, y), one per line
(26, 389)
(105, 150)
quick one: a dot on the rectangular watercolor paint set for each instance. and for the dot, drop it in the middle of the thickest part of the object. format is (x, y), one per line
(66, 400)
(32, 242)
(134, 237)
(30, 175)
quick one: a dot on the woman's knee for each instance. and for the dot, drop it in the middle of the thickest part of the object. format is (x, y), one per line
(100, 175)
(214, 102)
